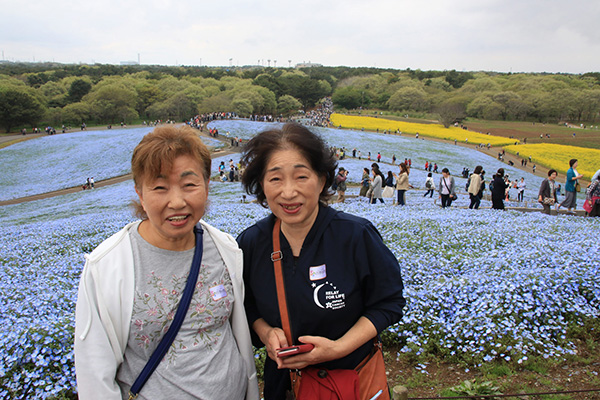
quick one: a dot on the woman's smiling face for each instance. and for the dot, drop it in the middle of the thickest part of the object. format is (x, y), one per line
(174, 202)
(292, 188)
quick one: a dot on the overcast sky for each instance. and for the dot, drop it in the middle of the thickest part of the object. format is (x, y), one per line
(466, 35)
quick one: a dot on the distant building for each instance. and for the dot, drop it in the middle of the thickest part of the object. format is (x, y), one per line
(308, 65)
(130, 63)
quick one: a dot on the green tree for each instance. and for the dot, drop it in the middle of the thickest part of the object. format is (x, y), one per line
(19, 107)
(458, 79)
(78, 89)
(540, 106)
(287, 105)
(54, 94)
(350, 97)
(299, 85)
(219, 102)
(484, 107)
(269, 104)
(408, 98)
(54, 116)
(251, 97)
(147, 94)
(511, 105)
(113, 101)
(309, 92)
(242, 106)
(450, 112)
(76, 113)
(269, 82)
(181, 107)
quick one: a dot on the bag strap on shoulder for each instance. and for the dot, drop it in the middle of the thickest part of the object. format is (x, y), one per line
(276, 257)
(182, 309)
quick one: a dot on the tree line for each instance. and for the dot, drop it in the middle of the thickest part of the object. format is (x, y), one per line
(58, 94)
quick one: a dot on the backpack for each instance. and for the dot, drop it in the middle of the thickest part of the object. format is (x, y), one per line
(334, 185)
(428, 184)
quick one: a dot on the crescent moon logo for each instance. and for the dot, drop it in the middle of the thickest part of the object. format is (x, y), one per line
(316, 295)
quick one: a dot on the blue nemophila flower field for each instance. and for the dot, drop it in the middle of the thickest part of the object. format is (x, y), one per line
(66, 160)
(481, 285)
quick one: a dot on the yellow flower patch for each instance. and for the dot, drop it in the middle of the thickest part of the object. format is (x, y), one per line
(557, 156)
(430, 130)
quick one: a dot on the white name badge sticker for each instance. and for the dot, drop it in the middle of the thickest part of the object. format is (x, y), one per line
(218, 292)
(317, 273)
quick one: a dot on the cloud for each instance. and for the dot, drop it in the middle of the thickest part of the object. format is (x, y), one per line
(496, 35)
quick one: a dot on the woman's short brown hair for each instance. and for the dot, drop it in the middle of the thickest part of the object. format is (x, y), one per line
(259, 149)
(158, 150)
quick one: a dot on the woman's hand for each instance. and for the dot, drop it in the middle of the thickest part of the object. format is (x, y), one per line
(273, 338)
(327, 350)
(324, 350)
(540, 199)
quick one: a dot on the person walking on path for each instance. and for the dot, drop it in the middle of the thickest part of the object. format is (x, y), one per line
(593, 198)
(402, 183)
(364, 183)
(521, 189)
(377, 184)
(429, 185)
(447, 188)
(547, 193)
(340, 179)
(474, 187)
(498, 190)
(571, 187)
(388, 190)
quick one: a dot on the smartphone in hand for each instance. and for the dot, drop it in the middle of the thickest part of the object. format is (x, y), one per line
(293, 350)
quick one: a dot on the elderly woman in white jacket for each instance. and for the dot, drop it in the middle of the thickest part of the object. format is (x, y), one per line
(132, 284)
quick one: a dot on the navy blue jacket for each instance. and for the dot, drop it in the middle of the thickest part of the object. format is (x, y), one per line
(344, 271)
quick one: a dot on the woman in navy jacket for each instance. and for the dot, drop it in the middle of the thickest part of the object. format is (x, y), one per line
(343, 285)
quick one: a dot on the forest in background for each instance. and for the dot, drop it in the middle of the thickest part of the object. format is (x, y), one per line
(38, 94)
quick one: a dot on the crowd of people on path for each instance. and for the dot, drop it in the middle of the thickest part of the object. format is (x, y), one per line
(89, 183)
(547, 195)
(201, 120)
(232, 173)
(431, 167)
(376, 186)
(321, 114)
